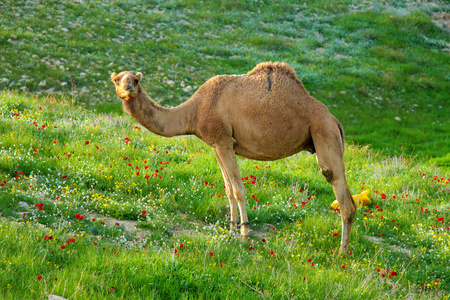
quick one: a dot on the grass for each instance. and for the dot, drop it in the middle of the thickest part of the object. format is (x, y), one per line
(381, 68)
(87, 168)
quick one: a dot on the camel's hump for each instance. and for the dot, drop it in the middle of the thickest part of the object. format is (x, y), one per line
(277, 67)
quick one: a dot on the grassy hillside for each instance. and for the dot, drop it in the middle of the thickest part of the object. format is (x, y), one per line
(381, 67)
(77, 184)
(94, 207)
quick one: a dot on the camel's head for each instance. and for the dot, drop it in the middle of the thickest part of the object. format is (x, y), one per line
(127, 84)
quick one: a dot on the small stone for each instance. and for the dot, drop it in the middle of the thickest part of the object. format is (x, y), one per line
(24, 205)
(55, 297)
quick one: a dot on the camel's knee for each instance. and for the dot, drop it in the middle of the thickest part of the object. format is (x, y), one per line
(239, 194)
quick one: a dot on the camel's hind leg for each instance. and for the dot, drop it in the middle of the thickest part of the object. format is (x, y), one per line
(328, 143)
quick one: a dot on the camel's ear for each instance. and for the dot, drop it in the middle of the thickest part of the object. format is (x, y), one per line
(139, 76)
(113, 75)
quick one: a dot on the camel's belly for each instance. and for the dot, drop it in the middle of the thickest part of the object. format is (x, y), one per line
(273, 146)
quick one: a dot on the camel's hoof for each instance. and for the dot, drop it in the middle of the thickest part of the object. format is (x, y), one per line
(245, 231)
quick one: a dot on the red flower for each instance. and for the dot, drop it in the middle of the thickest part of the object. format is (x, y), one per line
(309, 260)
(271, 252)
(86, 143)
(335, 234)
(383, 275)
(343, 266)
(112, 289)
(117, 224)
(206, 182)
(56, 278)
(63, 246)
(64, 176)
(144, 212)
(211, 254)
(378, 270)
(39, 277)
(383, 196)
(220, 264)
(181, 245)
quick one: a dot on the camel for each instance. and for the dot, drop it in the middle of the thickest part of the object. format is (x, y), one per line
(266, 114)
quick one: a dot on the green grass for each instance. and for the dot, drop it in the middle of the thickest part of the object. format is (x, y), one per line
(370, 63)
(382, 69)
(77, 163)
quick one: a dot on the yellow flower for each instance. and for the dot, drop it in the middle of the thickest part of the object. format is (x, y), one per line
(359, 199)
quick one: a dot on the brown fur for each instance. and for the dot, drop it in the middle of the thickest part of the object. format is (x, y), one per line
(265, 114)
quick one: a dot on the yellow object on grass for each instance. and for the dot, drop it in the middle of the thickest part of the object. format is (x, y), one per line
(359, 199)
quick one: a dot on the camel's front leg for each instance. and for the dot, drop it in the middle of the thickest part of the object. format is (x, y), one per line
(234, 218)
(233, 183)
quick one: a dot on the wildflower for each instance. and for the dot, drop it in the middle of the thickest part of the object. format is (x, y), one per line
(39, 277)
(181, 245)
(63, 246)
(144, 212)
(117, 224)
(271, 252)
(383, 196)
(335, 234)
(86, 143)
(308, 260)
(220, 265)
(112, 289)
(383, 275)
(56, 278)
(211, 254)
(343, 266)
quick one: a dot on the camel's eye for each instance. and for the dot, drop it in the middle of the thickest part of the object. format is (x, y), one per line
(116, 81)
(136, 81)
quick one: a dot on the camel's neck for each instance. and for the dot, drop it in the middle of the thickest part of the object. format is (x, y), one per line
(162, 121)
